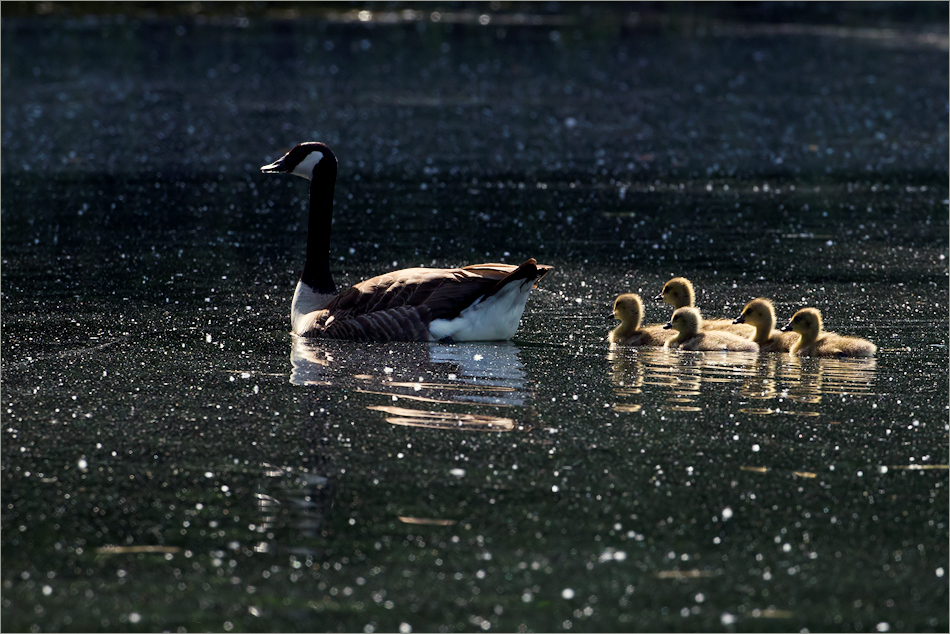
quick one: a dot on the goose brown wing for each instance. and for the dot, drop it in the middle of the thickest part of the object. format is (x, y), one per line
(399, 306)
(444, 293)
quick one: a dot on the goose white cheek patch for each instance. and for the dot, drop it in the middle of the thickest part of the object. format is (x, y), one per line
(305, 168)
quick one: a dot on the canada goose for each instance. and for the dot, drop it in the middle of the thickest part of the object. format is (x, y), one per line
(679, 293)
(481, 302)
(691, 336)
(761, 314)
(628, 308)
(814, 342)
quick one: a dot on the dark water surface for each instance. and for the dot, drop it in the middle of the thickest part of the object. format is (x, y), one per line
(173, 459)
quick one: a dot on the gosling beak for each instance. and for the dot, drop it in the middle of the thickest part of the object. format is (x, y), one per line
(668, 325)
(739, 320)
(787, 327)
(658, 298)
(612, 315)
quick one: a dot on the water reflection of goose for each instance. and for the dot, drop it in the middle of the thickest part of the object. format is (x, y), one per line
(291, 499)
(338, 363)
(495, 364)
(476, 374)
(309, 363)
(404, 375)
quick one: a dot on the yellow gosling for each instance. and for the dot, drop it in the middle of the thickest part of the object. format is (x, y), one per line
(760, 314)
(679, 293)
(688, 323)
(628, 308)
(814, 342)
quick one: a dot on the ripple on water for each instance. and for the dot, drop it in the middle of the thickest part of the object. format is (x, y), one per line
(445, 420)
(758, 411)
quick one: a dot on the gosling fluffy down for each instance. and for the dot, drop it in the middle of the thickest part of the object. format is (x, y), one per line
(688, 323)
(628, 308)
(760, 314)
(679, 293)
(814, 342)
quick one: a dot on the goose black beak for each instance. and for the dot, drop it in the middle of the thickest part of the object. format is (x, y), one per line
(658, 298)
(277, 167)
(739, 320)
(612, 315)
(787, 327)
(668, 325)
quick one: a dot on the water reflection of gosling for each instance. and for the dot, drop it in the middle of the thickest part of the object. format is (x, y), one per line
(628, 308)
(691, 336)
(760, 314)
(814, 342)
(679, 293)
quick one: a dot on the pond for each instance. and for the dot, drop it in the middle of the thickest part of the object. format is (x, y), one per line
(174, 459)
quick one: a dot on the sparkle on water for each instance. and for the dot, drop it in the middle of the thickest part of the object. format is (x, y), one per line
(173, 459)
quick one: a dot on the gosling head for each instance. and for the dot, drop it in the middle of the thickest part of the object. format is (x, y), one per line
(678, 292)
(305, 160)
(807, 321)
(628, 308)
(758, 312)
(686, 320)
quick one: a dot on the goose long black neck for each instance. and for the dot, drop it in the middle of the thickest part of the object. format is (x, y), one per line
(316, 268)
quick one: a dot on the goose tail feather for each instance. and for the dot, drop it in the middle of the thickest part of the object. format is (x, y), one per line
(527, 271)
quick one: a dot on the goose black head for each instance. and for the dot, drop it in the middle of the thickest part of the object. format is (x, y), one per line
(305, 160)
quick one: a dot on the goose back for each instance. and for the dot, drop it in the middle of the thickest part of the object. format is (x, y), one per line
(402, 305)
